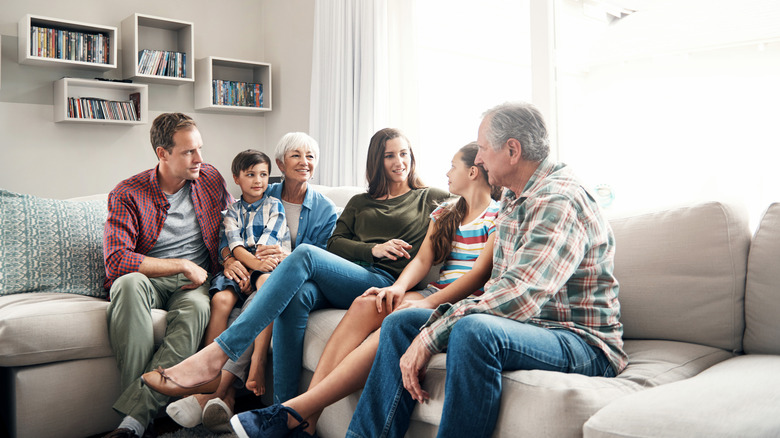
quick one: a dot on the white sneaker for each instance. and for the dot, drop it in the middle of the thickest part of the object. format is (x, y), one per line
(185, 412)
(216, 416)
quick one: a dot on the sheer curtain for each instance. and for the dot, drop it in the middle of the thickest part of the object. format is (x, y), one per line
(349, 87)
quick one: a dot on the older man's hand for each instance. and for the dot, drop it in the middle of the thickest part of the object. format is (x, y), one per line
(413, 365)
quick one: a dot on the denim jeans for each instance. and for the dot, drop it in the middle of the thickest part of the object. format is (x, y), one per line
(480, 347)
(289, 289)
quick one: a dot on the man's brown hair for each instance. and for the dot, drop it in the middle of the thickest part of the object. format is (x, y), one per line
(165, 126)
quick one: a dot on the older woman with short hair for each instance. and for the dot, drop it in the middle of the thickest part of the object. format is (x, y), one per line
(311, 218)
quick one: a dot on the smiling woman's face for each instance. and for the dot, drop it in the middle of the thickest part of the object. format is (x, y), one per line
(298, 165)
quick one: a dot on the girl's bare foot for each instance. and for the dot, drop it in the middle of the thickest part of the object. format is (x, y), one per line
(255, 381)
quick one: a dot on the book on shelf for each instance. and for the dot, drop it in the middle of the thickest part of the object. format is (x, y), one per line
(69, 45)
(234, 93)
(162, 63)
(103, 109)
(136, 99)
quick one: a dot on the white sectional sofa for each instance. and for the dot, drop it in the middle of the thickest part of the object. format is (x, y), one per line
(700, 298)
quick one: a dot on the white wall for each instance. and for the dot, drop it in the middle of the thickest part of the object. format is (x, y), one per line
(288, 33)
(65, 160)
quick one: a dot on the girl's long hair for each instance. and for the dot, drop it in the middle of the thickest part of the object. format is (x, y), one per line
(449, 219)
(378, 185)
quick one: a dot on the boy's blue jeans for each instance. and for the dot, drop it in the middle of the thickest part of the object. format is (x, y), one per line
(480, 347)
(309, 278)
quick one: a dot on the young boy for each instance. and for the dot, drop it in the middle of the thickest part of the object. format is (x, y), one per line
(255, 219)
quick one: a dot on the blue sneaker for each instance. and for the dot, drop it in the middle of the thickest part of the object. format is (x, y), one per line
(270, 422)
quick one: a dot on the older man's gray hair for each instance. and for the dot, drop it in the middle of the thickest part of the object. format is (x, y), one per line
(523, 122)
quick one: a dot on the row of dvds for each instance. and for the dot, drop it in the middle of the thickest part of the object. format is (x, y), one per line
(69, 45)
(94, 108)
(235, 93)
(162, 63)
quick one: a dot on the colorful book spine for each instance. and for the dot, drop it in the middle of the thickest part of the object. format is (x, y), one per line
(234, 93)
(69, 45)
(102, 109)
(162, 63)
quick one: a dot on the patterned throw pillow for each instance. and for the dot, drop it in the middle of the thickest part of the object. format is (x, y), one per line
(49, 245)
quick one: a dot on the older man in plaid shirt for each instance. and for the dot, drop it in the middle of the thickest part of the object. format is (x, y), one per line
(550, 304)
(160, 247)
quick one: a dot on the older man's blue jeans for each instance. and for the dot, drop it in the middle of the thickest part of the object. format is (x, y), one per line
(480, 347)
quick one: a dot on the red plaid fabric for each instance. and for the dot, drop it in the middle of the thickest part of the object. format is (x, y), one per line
(137, 209)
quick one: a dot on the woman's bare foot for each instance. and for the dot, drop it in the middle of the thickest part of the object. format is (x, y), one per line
(255, 380)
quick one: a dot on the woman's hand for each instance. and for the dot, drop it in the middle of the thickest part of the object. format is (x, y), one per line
(265, 251)
(245, 286)
(266, 264)
(389, 297)
(392, 249)
(235, 270)
(413, 365)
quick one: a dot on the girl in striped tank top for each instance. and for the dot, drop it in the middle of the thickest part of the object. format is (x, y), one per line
(460, 238)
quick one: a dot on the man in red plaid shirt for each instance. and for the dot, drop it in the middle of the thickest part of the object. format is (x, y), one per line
(160, 248)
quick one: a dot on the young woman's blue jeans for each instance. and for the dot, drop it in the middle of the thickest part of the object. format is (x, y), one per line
(480, 347)
(307, 279)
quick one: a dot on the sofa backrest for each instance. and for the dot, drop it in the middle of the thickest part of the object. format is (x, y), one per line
(762, 290)
(340, 195)
(682, 274)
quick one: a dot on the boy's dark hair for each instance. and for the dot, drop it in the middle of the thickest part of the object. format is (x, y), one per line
(165, 126)
(249, 158)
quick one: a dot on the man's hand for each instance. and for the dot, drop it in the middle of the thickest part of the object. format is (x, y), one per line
(195, 274)
(392, 249)
(413, 365)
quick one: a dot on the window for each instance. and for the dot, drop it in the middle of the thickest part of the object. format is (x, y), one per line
(673, 103)
(468, 57)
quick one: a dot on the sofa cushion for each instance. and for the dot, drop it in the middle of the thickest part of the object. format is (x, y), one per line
(49, 245)
(531, 400)
(682, 274)
(762, 290)
(51, 327)
(735, 398)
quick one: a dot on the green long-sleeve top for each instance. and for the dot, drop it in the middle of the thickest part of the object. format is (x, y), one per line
(366, 222)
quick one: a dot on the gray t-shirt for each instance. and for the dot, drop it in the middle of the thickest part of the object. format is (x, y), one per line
(292, 212)
(181, 237)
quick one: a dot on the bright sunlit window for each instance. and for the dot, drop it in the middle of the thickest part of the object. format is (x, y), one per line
(676, 102)
(470, 56)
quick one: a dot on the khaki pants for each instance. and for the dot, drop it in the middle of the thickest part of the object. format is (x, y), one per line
(133, 296)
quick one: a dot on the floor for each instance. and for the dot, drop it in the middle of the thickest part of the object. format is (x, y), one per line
(164, 424)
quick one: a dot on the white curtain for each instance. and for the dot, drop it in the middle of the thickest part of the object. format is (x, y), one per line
(349, 85)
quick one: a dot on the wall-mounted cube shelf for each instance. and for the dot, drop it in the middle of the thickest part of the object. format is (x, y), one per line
(211, 69)
(46, 41)
(160, 36)
(113, 94)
